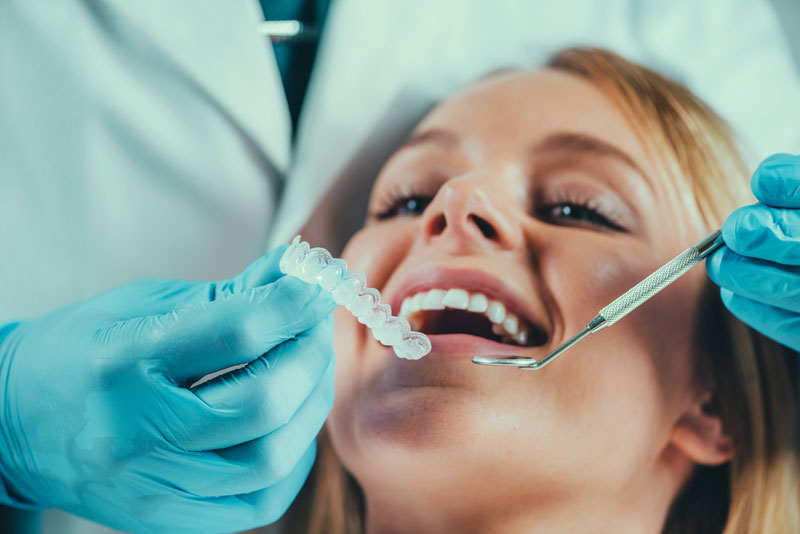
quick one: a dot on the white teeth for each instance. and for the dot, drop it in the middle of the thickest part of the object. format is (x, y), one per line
(511, 324)
(496, 312)
(522, 337)
(457, 299)
(411, 305)
(505, 324)
(478, 303)
(433, 300)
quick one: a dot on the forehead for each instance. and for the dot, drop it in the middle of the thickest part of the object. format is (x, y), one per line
(516, 109)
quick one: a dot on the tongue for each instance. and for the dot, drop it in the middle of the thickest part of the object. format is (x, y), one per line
(457, 322)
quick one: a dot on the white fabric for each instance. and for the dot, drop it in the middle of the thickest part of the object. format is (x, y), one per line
(137, 139)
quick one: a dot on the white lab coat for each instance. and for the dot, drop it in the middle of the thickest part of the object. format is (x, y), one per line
(152, 138)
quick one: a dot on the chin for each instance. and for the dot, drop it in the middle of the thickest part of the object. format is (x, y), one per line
(415, 437)
(416, 417)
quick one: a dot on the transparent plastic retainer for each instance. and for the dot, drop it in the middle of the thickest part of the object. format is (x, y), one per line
(349, 289)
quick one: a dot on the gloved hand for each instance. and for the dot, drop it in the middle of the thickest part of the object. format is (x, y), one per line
(759, 269)
(97, 417)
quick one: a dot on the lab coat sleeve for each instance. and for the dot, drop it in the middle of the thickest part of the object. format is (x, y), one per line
(138, 139)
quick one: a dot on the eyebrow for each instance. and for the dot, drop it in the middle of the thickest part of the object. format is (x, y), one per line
(576, 143)
(444, 138)
(567, 142)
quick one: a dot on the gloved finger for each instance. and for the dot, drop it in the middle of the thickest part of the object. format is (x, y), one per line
(766, 233)
(193, 342)
(257, 399)
(269, 505)
(764, 281)
(264, 270)
(776, 182)
(246, 467)
(271, 458)
(192, 473)
(233, 512)
(775, 323)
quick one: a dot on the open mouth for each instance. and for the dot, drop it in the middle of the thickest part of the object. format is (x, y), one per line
(458, 311)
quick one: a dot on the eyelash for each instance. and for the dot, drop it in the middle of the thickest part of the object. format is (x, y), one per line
(398, 197)
(587, 210)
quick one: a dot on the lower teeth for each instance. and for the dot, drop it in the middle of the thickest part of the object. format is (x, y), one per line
(507, 338)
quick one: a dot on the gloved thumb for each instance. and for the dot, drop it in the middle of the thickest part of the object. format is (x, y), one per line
(264, 270)
(200, 339)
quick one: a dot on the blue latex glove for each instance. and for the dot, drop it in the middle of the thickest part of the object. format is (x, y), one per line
(759, 269)
(97, 417)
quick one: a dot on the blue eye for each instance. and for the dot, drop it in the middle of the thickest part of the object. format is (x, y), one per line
(578, 214)
(403, 206)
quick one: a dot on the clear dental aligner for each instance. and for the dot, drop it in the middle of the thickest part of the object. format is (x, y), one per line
(349, 289)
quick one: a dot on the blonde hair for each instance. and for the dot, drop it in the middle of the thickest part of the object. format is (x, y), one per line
(754, 378)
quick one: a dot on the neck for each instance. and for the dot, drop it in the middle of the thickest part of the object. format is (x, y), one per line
(641, 508)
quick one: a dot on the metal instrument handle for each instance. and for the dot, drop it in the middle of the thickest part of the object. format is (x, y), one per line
(659, 279)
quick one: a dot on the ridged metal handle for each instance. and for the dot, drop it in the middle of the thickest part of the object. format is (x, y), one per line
(659, 279)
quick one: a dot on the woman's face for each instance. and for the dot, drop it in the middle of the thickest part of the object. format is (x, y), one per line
(530, 189)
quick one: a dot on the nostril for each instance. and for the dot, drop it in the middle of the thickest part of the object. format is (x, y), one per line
(485, 227)
(438, 224)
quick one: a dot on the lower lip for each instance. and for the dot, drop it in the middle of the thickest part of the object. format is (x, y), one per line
(435, 370)
(467, 346)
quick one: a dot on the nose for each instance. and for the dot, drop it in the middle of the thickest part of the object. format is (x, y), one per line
(465, 213)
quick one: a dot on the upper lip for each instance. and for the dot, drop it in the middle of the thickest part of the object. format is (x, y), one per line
(431, 277)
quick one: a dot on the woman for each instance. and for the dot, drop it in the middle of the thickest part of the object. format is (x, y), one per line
(547, 194)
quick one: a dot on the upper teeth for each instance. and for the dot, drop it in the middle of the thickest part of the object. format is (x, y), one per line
(504, 322)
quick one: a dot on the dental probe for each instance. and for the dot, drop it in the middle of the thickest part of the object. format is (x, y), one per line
(625, 303)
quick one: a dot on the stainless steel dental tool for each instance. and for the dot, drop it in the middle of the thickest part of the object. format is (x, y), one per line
(625, 303)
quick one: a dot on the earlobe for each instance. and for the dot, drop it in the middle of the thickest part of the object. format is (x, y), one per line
(699, 434)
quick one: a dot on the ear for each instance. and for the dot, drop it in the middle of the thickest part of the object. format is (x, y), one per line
(699, 435)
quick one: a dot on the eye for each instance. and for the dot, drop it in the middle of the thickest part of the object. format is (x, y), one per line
(412, 205)
(578, 214)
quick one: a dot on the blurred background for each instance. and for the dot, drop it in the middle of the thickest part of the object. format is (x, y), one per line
(789, 14)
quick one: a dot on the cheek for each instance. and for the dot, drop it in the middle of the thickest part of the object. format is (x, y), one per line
(632, 377)
(581, 278)
(346, 344)
(376, 250)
